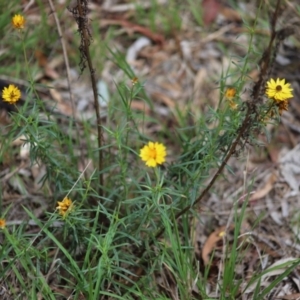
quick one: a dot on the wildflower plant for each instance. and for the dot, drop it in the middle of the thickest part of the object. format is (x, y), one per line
(129, 222)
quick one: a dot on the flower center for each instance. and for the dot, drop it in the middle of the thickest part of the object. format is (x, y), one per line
(12, 95)
(278, 88)
(152, 153)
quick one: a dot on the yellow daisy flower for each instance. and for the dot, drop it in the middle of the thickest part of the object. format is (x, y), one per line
(230, 93)
(64, 207)
(2, 223)
(11, 94)
(278, 90)
(153, 154)
(18, 22)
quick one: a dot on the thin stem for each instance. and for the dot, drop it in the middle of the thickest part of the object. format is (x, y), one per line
(66, 60)
(86, 42)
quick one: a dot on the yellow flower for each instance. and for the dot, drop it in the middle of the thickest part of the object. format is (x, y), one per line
(18, 21)
(278, 90)
(153, 154)
(64, 207)
(11, 94)
(2, 223)
(230, 93)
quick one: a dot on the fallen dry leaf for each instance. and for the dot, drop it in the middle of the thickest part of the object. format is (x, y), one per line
(211, 242)
(274, 270)
(211, 9)
(290, 297)
(230, 14)
(266, 189)
(138, 105)
(136, 47)
(164, 99)
(290, 168)
(155, 37)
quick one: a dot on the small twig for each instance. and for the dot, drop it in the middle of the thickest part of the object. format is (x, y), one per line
(66, 59)
(13, 172)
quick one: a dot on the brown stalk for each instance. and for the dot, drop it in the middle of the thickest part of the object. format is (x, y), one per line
(80, 14)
